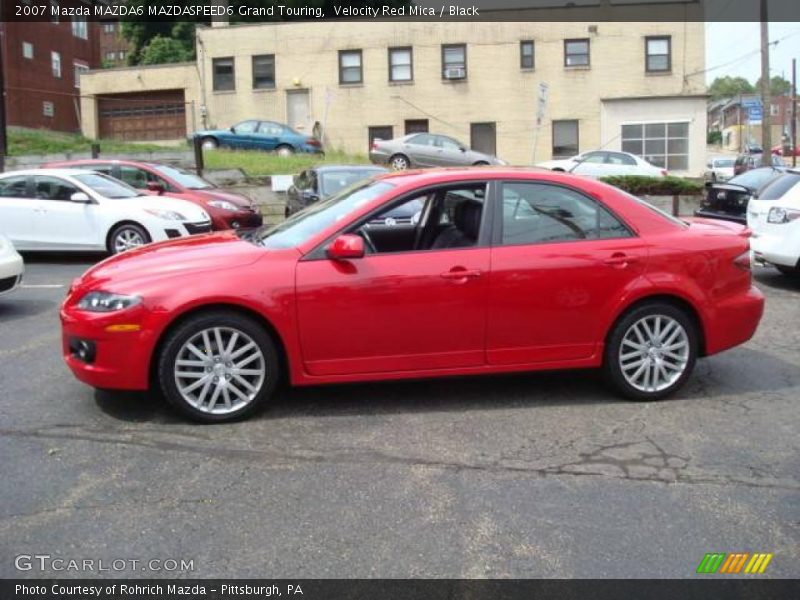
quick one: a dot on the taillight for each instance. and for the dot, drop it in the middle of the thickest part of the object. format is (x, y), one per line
(743, 261)
(313, 142)
(374, 146)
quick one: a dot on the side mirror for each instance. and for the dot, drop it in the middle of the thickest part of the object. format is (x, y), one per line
(81, 197)
(154, 186)
(233, 129)
(310, 195)
(462, 148)
(346, 247)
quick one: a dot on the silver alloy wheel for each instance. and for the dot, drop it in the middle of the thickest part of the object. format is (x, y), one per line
(127, 238)
(654, 353)
(220, 370)
(209, 144)
(399, 163)
(285, 151)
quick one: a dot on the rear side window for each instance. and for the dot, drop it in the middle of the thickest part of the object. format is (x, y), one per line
(779, 187)
(14, 187)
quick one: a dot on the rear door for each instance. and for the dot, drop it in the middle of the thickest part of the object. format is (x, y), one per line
(560, 264)
(422, 150)
(268, 135)
(18, 209)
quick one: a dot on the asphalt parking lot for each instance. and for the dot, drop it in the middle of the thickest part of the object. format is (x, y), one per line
(513, 476)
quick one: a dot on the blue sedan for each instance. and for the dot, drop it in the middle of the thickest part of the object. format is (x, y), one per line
(260, 135)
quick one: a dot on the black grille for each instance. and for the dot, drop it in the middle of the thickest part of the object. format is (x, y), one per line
(8, 283)
(194, 228)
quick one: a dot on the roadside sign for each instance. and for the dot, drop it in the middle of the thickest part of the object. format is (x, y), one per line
(751, 101)
(541, 105)
(755, 115)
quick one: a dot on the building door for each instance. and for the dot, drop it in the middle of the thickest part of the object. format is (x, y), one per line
(380, 132)
(483, 137)
(416, 126)
(298, 111)
(143, 115)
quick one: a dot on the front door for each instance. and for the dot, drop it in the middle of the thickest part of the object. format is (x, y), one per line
(561, 263)
(298, 111)
(60, 222)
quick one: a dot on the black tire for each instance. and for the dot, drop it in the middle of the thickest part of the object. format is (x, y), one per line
(559, 170)
(284, 150)
(174, 343)
(792, 272)
(481, 163)
(286, 213)
(209, 142)
(612, 356)
(131, 229)
(399, 162)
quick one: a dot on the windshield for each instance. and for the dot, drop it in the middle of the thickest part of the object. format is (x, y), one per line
(108, 187)
(754, 178)
(335, 181)
(184, 178)
(724, 163)
(307, 223)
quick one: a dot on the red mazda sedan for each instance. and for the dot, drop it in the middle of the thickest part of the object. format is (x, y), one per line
(227, 210)
(505, 270)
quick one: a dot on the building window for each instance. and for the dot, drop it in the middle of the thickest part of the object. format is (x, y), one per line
(565, 138)
(454, 61)
(54, 11)
(109, 27)
(48, 110)
(350, 70)
(111, 56)
(78, 69)
(223, 71)
(658, 54)
(664, 145)
(526, 55)
(576, 53)
(379, 132)
(264, 71)
(27, 50)
(80, 28)
(416, 126)
(401, 64)
(55, 63)
(121, 55)
(774, 110)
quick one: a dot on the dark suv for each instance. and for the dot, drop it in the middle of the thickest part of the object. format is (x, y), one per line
(728, 200)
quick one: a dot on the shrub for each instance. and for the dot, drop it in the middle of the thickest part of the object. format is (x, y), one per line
(714, 137)
(655, 186)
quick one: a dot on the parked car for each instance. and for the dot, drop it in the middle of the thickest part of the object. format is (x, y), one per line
(585, 276)
(259, 135)
(745, 162)
(781, 151)
(319, 183)
(11, 266)
(427, 150)
(605, 163)
(774, 218)
(719, 169)
(70, 209)
(753, 149)
(728, 200)
(227, 210)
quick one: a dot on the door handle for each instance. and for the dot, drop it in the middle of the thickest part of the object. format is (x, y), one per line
(460, 273)
(620, 260)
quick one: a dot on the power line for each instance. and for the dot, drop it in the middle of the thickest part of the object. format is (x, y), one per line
(742, 57)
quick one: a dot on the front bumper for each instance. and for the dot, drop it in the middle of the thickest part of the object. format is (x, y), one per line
(244, 219)
(11, 270)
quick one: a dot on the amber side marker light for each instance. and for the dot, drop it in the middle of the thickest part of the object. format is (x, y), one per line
(121, 327)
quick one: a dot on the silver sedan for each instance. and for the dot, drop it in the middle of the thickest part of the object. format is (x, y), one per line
(427, 150)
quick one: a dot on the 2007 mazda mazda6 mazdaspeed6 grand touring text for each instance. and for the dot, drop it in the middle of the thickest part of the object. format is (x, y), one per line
(505, 270)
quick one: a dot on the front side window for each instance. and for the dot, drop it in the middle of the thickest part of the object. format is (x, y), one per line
(576, 53)
(664, 145)
(223, 74)
(658, 54)
(264, 71)
(423, 139)
(526, 55)
(594, 157)
(55, 64)
(537, 213)
(53, 188)
(565, 138)
(350, 66)
(133, 177)
(454, 61)
(401, 64)
(14, 187)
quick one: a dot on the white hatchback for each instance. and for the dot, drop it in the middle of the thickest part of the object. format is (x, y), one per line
(75, 210)
(605, 163)
(774, 218)
(11, 266)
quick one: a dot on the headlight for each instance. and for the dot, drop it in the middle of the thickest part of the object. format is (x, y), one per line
(223, 204)
(169, 215)
(782, 215)
(107, 302)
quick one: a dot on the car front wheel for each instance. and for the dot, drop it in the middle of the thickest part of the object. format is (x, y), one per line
(651, 351)
(218, 366)
(284, 151)
(209, 143)
(127, 237)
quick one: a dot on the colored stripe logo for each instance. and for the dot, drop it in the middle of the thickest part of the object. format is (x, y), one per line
(734, 563)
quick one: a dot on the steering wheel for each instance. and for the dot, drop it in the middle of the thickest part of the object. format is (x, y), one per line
(367, 240)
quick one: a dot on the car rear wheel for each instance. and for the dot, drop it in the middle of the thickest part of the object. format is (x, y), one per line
(209, 143)
(126, 237)
(218, 366)
(398, 162)
(651, 351)
(284, 151)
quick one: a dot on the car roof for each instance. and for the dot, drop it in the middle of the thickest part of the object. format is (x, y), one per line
(443, 175)
(105, 161)
(333, 168)
(50, 171)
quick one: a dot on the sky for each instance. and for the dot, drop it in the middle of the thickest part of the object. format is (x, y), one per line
(727, 42)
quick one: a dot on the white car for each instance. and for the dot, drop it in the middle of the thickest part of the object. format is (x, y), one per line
(774, 218)
(11, 266)
(719, 169)
(69, 209)
(605, 163)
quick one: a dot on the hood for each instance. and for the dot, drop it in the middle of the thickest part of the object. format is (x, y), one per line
(223, 250)
(217, 194)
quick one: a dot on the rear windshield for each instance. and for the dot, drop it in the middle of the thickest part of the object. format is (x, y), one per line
(778, 187)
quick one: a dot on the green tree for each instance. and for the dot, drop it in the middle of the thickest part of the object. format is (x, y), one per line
(728, 87)
(162, 49)
(778, 86)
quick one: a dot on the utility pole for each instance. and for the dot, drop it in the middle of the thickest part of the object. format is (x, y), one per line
(794, 103)
(3, 137)
(766, 99)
